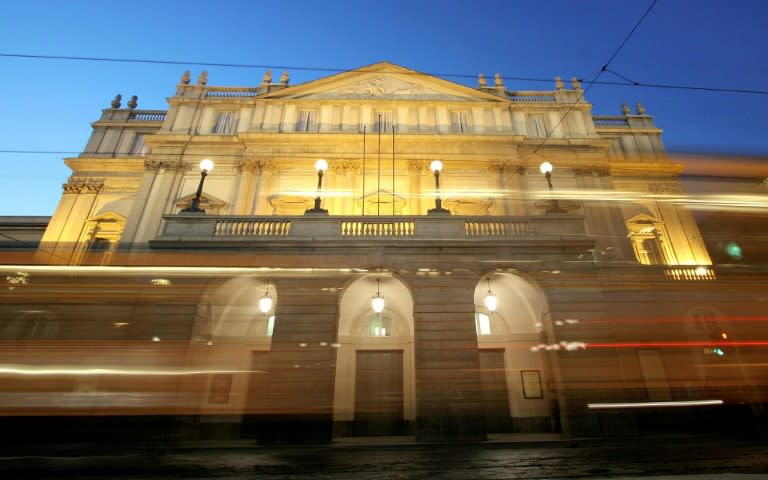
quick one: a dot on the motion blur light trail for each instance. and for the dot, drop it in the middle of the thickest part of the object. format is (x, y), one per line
(745, 343)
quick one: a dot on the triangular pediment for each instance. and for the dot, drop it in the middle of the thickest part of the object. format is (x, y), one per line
(383, 81)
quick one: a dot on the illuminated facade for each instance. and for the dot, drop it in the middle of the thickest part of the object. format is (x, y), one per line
(575, 260)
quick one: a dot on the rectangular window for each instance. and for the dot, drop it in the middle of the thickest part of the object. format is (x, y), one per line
(306, 121)
(537, 126)
(483, 324)
(380, 326)
(225, 123)
(382, 122)
(139, 146)
(459, 122)
(270, 325)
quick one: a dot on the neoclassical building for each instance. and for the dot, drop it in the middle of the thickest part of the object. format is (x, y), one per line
(236, 300)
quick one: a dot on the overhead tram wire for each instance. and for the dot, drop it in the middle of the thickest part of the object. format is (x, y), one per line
(603, 69)
(344, 70)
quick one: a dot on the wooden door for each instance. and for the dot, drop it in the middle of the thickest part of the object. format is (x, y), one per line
(379, 393)
(495, 395)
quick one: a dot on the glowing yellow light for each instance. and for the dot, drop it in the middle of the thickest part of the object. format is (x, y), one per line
(206, 165)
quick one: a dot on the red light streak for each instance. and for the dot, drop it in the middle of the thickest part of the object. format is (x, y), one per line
(678, 344)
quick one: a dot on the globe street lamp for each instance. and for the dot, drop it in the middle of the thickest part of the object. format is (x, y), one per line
(321, 166)
(436, 166)
(206, 166)
(554, 205)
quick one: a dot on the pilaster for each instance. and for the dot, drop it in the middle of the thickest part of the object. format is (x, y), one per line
(448, 401)
(302, 362)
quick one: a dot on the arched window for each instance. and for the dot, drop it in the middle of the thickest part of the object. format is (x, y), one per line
(379, 325)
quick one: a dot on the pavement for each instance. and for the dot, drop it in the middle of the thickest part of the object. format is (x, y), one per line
(516, 456)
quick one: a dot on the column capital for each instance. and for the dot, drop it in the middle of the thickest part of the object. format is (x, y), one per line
(250, 165)
(158, 165)
(84, 185)
(416, 166)
(345, 165)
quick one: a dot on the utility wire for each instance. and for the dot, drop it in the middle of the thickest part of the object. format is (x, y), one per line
(342, 70)
(603, 69)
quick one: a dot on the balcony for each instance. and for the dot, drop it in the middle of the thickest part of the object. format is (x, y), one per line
(218, 230)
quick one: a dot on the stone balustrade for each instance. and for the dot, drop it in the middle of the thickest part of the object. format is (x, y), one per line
(220, 228)
(532, 97)
(611, 121)
(231, 92)
(147, 115)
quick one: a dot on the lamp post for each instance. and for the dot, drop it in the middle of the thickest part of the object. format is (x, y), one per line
(554, 205)
(206, 166)
(321, 166)
(436, 166)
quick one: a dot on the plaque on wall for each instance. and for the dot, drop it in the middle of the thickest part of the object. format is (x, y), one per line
(531, 384)
(221, 384)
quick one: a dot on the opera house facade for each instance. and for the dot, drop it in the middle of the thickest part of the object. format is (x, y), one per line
(378, 252)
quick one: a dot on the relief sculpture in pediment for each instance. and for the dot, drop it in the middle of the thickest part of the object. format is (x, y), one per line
(382, 87)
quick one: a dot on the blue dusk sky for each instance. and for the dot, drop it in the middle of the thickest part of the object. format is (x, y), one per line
(48, 104)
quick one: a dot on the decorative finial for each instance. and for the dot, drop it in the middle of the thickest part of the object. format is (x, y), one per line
(267, 79)
(559, 85)
(625, 109)
(116, 101)
(284, 78)
(639, 109)
(498, 80)
(482, 81)
(203, 78)
(575, 83)
(133, 102)
(185, 78)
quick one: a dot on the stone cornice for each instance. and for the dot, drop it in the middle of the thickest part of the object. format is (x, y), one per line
(646, 169)
(128, 164)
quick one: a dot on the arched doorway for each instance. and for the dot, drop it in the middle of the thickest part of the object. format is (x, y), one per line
(375, 375)
(513, 377)
(232, 339)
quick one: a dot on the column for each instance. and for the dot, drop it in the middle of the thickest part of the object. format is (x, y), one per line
(415, 169)
(344, 184)
(249, 176)
(603, 219)
(264, 187)
(63, 239)
(148, 207)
